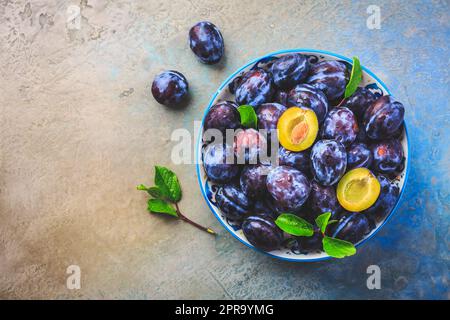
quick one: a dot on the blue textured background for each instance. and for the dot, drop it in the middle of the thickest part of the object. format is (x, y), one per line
(80, 129)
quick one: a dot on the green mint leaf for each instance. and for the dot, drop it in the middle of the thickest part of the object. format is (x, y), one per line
(248, 116)
(322, 221)
(338, 248)
(161, 206)
(168, 184)
(142, 187)
(155, 192)
(355, 78)
(292, 224)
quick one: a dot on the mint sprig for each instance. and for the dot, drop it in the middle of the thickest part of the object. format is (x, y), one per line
(296, 226)
(248, 116)
(355, 78)
(166, 194)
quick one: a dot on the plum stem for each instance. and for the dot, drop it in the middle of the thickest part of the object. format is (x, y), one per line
(195, 224)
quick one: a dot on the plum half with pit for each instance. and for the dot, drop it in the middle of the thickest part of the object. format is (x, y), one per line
(388, 156)
(305, 95)
(289, 70)
(288, 187)
(331, 77)
(170, 88)
(255, 87)
(233, 202)
(328, 161)
(341, 125)
(206, 42)
(262, 232)
(221, 116)
(219, 163)
(383, 118)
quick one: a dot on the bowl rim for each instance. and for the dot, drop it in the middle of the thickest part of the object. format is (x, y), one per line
(198, 164)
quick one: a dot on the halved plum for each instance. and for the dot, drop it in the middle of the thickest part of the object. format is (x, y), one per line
(358, 190)
(297, 128)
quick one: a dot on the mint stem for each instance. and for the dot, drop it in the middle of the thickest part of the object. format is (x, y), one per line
(195, 224)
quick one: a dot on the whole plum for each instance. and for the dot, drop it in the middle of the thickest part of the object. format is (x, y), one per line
(262, 232)
(281, 97)
(305, 95)
(323, 199)
(383, 118)
(250, 146)
(331, 77)
(360, 101)
(219, 164)
(388, 156)
(288, 187)
(290, 70)
(223, 115)
(298, 160)
(256, 87)
(310, 244)
(206, 42)
(341, 125)
(328, 161)
(352, 227)
(170, 88)
(253, 180)
(233, 202)
(359, 155)
(268, 115)
(266, 205)
(386, 201)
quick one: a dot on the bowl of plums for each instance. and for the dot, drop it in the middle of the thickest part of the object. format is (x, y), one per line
(303, 154)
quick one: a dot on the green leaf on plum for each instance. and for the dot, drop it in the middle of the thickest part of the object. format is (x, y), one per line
(338, 248)
(248, 116)
(168, 184)
(294, 225)
(355, 78)
(161, 206)
(322, 221)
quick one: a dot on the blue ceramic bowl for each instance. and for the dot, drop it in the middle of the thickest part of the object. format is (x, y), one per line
(208, 188)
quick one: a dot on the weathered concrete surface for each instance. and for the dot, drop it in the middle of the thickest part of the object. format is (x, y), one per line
(79, 130)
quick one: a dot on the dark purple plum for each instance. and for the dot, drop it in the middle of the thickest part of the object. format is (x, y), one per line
(298, 160)
(268, 115)
(383, 118)
(223, 115)
(388, 156)
(265, 205)
(289, 70)
(331, 77)
(328, 161)
(341, 125)
(359, 155)
(386, 200)
(234, 204)
(352, 227)
(360, 101)
(305, 95)
(170, 88)
(206, 42)
(262, 232)
(281, 97)
(323, 199)
(310, 244)
(250, 146)
(253, 180)
(255, 88)
(219, 164)
(288, 187)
